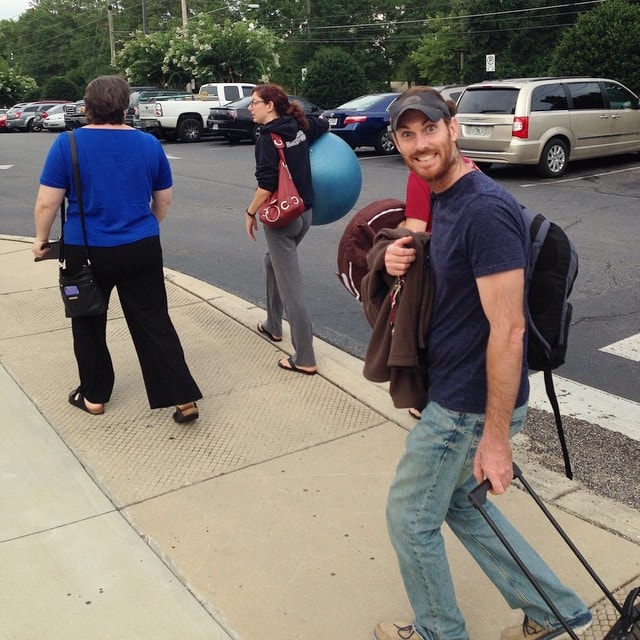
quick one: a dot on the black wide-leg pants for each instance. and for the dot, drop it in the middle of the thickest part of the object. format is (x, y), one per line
(135, 270)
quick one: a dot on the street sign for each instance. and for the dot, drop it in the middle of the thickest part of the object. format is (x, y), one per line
(491, 62)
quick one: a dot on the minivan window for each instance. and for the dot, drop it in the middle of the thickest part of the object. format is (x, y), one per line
(550, 97)
(489, 100)
(586, 95)
(619, 97)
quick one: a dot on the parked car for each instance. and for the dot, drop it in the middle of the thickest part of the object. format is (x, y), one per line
(364, 122)
(22, 118)
(52, 119)
(3, 120)
(547, 122)
(145, 113)
(74, 115)
(146, 95)
(451, 91)
(234, 121)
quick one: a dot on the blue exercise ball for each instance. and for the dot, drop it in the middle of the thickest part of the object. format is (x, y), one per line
(336, 178)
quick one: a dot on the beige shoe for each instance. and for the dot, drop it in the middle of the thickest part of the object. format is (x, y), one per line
(395, 631)
(530, 630)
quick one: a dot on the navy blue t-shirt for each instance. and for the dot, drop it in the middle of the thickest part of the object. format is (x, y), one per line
(478, 230)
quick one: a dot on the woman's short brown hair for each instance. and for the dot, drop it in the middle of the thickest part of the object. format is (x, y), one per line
(106, 100)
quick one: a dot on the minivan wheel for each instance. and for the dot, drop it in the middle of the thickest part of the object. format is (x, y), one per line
(190, 130)
(554, 159)
(385, 144)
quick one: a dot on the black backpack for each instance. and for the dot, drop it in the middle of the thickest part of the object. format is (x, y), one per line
(552, 270)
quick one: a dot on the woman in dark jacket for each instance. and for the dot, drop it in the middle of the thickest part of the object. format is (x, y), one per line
(271, 108)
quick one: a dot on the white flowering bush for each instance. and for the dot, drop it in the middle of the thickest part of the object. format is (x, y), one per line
(15, 87)
(141, 58)
(207, 51)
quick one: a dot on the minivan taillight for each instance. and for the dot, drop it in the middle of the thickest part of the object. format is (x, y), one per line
(520, 127)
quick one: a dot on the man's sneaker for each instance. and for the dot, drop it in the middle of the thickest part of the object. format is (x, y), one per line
(395, 631)
(530, 630)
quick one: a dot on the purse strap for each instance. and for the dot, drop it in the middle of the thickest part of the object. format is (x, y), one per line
(278, 143)
(78, 185)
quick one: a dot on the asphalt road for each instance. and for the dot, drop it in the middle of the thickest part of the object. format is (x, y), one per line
(597, 203)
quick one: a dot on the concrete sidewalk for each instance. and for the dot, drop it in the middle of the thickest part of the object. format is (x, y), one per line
(262, 521)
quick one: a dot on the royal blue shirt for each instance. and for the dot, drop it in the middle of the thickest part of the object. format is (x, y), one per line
(119, 169)
(478, 230)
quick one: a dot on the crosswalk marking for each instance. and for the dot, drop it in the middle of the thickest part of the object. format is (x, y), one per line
(628, 348)
(587, 403)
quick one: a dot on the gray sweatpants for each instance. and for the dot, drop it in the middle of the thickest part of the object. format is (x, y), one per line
(285, 290)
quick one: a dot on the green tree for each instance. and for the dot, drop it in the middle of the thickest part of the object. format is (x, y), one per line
(208, 52)
(60, 87)
(333, 77)
(14, 87)
(141, 58)
(67, 38)
(587, 47)
(437, 57)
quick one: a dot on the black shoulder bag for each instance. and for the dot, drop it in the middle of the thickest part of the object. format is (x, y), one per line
(80, 292)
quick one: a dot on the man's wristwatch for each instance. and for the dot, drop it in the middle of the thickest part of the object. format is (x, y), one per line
(253, 215)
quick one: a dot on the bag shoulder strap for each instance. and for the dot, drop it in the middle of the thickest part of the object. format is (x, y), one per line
(78, 185)
(278, 143)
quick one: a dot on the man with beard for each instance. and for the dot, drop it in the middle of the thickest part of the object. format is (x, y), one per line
(478, 390)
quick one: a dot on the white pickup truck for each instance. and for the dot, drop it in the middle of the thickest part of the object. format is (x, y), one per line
(184, 118)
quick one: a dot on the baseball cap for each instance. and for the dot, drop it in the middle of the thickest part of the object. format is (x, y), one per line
(429, 102)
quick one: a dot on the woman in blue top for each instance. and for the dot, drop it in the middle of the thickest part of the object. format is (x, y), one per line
(126, 188)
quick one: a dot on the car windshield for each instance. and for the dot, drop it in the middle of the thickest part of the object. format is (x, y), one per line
(363, 102)
(489, 100)
(59, 108)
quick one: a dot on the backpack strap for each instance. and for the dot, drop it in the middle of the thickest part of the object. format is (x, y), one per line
(553, 400)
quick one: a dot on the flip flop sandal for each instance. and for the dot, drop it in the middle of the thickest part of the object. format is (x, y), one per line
(186, 415)
(77, 400)
(268, 334)
(292, 367)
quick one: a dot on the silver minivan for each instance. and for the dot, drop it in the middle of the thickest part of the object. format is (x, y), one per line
(547, 121)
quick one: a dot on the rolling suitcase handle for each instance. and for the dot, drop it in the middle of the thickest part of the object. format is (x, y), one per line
(478, 498)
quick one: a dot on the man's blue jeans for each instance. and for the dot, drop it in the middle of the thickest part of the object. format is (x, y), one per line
(431, 485)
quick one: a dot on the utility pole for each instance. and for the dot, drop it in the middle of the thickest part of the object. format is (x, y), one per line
(185, 16)
(144, 18)
(112, 44)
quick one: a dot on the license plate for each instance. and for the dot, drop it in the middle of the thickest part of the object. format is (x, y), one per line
(333, 122)
(477, 131)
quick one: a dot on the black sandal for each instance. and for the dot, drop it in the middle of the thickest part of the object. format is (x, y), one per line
(269, 335)
(77, 400)
(189, 414)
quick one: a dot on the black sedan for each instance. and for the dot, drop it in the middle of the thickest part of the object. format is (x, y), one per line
(234, 121)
